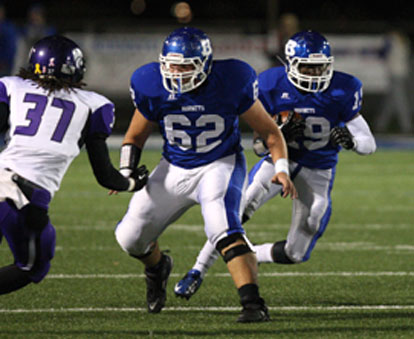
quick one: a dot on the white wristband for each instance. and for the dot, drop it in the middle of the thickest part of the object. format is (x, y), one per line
(126, 172)
(282, 165)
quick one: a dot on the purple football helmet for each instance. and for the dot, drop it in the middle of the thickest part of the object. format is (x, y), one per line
(185, 46)
(310, 49)
(57, 56)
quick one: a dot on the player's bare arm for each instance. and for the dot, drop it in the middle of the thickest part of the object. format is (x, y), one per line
(261, 122)
(138, 131)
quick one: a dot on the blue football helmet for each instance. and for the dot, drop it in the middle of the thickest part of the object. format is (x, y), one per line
(185, 46)
(312, 51)
(57, 56)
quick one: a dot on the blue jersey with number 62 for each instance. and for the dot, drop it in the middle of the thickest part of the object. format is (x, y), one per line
(322, 111)
(200, 126)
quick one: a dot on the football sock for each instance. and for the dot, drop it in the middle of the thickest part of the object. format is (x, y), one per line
(155, 269)
(12, 278)
(249, 294)
(279, 254)
(264, 253)
(206, 258)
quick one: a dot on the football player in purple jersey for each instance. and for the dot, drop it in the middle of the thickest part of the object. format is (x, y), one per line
(48, 116)
(324, 117)
(196, 103)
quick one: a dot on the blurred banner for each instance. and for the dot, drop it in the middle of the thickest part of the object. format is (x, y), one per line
(361, 56)
(112, 58)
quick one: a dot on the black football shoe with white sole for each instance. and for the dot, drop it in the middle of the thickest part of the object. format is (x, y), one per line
(156, 280)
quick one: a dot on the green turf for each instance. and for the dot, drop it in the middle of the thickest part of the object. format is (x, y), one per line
(358, 283)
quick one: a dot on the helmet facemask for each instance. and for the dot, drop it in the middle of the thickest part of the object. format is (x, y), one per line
(181, 82)
(311, 83)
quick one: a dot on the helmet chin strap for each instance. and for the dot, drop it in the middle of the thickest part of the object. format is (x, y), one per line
(278, 57)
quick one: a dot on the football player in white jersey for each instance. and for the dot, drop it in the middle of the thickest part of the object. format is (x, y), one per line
(196, 103)
(47, 117)
(322, 112)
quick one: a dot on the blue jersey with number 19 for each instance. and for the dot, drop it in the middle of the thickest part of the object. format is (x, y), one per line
(322, 111)
(200, 126)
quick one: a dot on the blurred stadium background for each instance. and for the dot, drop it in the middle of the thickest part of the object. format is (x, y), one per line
(119, 36)
(359, 282)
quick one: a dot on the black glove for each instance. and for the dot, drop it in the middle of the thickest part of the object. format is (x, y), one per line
(260, 147)
(342, 137)
(140, 178)
(292, 128)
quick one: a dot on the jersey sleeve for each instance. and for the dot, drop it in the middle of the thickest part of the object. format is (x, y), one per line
(3, 93)
(4, 108)
(265, 92)
(353, 100)
(245, 75)
(102, 119)
(141, 99)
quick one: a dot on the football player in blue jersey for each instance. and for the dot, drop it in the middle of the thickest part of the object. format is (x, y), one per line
(48, 116)
(318, 110)
(196, 103)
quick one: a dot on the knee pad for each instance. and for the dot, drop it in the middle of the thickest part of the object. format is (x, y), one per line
(234, 251)
(35, 218)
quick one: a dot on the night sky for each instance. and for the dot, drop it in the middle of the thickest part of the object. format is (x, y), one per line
(67, 10)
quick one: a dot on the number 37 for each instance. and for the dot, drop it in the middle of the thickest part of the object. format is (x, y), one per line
(34, 115)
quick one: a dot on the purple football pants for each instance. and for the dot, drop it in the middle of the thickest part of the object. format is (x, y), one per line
(32, 250)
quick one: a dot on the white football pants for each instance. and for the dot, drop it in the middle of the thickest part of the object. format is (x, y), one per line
(310, 211)
(218, 187)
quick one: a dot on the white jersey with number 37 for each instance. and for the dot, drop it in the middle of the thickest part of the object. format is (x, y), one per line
(46, 130)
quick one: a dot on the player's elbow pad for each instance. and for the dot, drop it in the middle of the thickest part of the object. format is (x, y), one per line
(364, 140)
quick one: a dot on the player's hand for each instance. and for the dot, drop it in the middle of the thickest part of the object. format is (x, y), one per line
(140, 177)
(260, 147)
(291, 125)
(341, 136)
(288, 188)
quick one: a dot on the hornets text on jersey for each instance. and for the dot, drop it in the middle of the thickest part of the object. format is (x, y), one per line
(200, 126)
(322, 111)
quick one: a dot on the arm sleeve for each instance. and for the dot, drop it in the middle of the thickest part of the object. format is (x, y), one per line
(105, 173)
(4, 116)
(364, 140)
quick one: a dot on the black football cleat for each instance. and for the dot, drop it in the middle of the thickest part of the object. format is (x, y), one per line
(157, 284)
(253, 313)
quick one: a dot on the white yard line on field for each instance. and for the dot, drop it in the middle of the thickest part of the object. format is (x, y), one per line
(322, 246)
(270, 227)
(270, 274)
(211, 309)
(401, 249)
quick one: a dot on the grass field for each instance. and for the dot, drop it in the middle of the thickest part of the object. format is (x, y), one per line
(359, 282)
